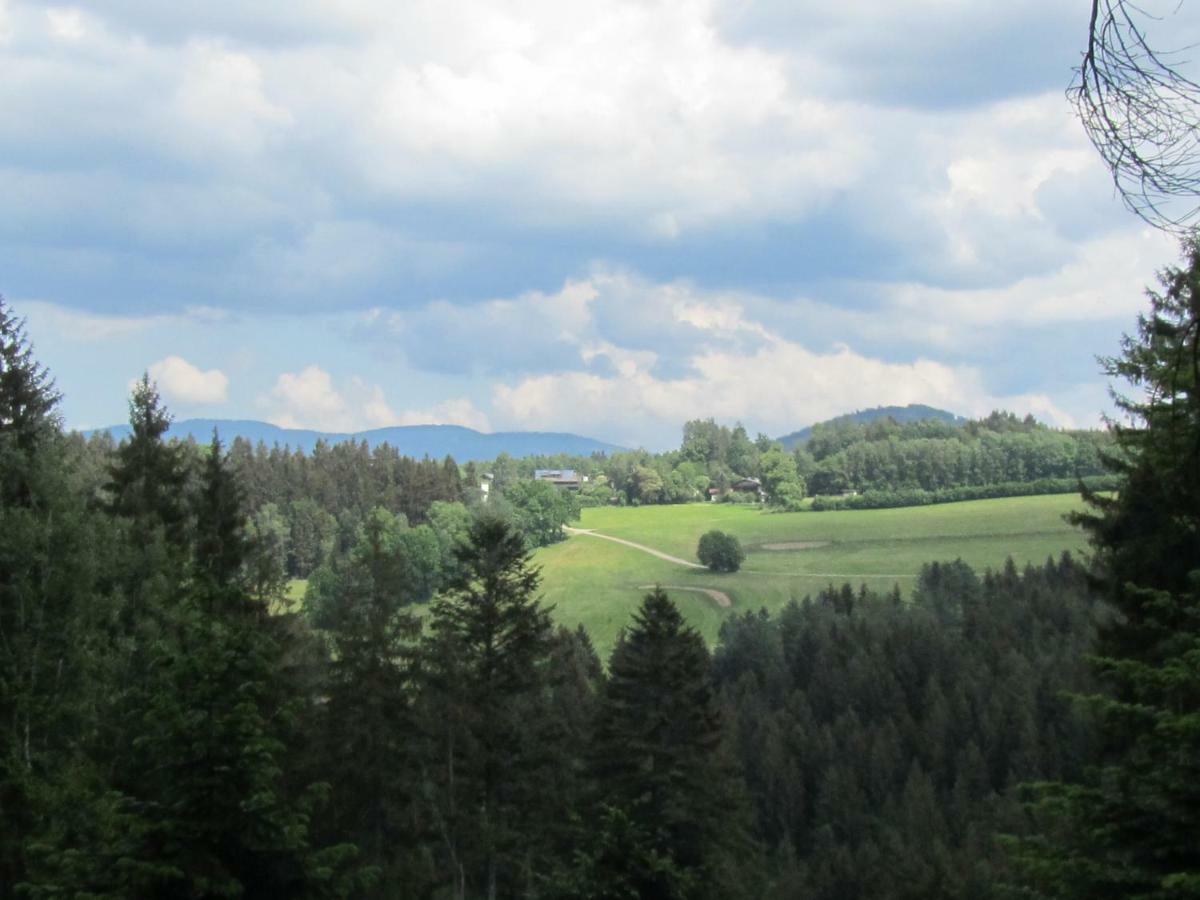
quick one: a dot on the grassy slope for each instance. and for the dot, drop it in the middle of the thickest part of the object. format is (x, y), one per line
(597, 583)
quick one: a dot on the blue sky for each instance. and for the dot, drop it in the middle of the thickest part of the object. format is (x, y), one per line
(605, 218)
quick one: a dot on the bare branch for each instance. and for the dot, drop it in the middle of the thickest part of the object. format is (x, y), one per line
(1141, 114)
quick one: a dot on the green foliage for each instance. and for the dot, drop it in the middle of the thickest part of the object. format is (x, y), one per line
(366, 728)
(663, 786)
(540, 510)
(50, 550)
(267, 556)
(721, 552)
(484, 708)
(148, 478)
(781, 480)
(919, 497)
(882, 741)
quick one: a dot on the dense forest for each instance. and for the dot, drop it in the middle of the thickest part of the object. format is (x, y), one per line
(422, 729)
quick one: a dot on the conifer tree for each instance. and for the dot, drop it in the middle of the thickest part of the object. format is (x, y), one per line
(47, 586)
(661, 779)
(148, 477)
(485, 708)
(1129, 829)
(368, 735)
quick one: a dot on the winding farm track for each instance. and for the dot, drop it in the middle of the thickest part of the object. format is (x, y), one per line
(718, 597)
(616, 540)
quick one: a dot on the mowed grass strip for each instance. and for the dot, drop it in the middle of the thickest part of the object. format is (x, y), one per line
(596, 583)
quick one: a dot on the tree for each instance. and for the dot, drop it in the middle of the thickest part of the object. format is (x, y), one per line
(368, 745)
(540, 510)
(721, 552)
(266, 564)
(1129, 828)
(781, 480)
(49, 547)
(148, 478)
(484, 709)
(1139, 111)
(667, 803)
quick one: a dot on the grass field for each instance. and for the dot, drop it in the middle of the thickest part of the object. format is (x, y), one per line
(598, 583)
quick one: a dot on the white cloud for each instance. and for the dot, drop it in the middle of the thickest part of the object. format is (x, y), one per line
(66, 24)
(310, 399)
(182, 382)
(221, 103)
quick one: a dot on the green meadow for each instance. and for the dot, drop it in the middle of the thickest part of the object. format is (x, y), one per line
(599, 583)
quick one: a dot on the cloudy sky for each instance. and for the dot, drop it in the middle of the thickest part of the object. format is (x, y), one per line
(604, 217)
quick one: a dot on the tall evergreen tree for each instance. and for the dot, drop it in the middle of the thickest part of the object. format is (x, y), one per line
(148, 477)
(485, 704)
(663, 784)
(1130, 828)
(368, 733)
(47, 585)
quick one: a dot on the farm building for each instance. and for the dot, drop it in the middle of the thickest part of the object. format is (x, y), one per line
(567, 479)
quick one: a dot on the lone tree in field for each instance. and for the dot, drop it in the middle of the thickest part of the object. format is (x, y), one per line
(721, 552)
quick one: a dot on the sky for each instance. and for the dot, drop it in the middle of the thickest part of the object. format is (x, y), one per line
(605, 217)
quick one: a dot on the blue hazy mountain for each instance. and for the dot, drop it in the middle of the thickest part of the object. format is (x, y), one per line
(436, 441)
(914, 412)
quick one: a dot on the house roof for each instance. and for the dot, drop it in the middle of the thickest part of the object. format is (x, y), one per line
(556, 474)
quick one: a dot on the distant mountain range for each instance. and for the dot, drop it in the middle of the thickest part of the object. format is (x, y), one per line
(436, 441)
(914, 412)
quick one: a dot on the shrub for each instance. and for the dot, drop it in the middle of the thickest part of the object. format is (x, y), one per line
(721, 552)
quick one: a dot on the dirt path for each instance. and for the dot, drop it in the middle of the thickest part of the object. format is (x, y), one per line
(616, 540)
(718, 597)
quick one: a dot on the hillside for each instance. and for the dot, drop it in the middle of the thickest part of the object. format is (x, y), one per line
(435, 441)
(914, 412)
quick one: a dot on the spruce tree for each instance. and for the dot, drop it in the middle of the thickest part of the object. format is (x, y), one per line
(148, 478)
(485, 708)
(661, 779)
(47, 593)
(1130, 828)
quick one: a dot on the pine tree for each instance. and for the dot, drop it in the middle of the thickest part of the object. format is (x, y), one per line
(1129, 829)
(658, 767)
(485, 707)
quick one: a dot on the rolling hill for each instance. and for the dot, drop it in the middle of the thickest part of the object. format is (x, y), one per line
(914, 412)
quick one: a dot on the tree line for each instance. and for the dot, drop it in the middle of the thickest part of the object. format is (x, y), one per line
(911, 463)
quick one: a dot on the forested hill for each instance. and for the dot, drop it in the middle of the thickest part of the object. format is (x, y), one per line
(914, 412)
(435, 441)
